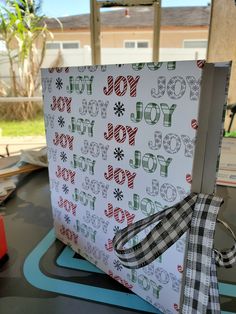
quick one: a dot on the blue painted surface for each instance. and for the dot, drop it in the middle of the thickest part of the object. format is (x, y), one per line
(34, 276)
(227, 289)
(38, 279)
(66, 260)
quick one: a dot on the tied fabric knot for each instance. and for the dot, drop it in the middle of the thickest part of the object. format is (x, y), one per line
(197, 214)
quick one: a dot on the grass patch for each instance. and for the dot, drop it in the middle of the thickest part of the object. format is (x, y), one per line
(230, 134)
(23, 128)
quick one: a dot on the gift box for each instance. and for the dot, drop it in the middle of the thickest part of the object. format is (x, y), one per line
(124, 142)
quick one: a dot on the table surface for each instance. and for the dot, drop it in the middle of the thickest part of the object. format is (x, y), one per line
(43, 276)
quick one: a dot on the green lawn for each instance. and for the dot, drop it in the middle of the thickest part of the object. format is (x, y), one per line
(22, 128)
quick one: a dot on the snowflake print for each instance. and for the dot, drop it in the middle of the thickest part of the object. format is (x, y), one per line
(67, 219)
(118, 194)
(59, 83)
(63, 156)
(61, 121)
(119, 108)
(65, 189)
(117, 264)
(116, 229)
(119, 153)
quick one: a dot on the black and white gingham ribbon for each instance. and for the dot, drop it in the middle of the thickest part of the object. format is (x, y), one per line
(198, 214)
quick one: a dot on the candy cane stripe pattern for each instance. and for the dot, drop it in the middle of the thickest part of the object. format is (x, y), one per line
(110, 82)
(119, 215)
(65, 174)
(201, 63)
(176, 307)
(129, 217)
(130, 177)
(132, 134)
(133, 85)
(117, 86)
(109, 245)
(188, 178)
(109, 210)
(117, 131)
(180, 268)
(70, 140)
(194, 124)
(74, 210)
(117, 178)
(108, 136)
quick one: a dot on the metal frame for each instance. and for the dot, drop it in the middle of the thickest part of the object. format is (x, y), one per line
(95, 26)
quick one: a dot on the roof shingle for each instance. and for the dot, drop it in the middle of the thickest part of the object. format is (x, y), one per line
(140, 17)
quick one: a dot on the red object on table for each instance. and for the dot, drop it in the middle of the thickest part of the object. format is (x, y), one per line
(3, 242)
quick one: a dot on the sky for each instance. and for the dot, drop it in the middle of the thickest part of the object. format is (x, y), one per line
(59, 8)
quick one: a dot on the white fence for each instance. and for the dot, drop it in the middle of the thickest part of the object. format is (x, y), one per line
(111, 56)
(124, 55)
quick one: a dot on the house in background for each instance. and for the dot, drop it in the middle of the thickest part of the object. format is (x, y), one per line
(184, 35)
(181, 28)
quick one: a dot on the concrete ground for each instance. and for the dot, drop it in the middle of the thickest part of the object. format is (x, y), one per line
(13, 145)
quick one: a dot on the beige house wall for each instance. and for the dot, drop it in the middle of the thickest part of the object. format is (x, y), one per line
(222, 43)
(174, 37)
(82, 36)
(114, 38)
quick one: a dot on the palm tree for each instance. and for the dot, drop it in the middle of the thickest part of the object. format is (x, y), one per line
(23, 29)
(31, 5)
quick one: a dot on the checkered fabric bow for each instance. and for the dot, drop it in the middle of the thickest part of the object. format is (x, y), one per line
(197, 214)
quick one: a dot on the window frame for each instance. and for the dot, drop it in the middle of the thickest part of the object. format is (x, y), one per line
(195, 40)
(136, 41)
(61, 45)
